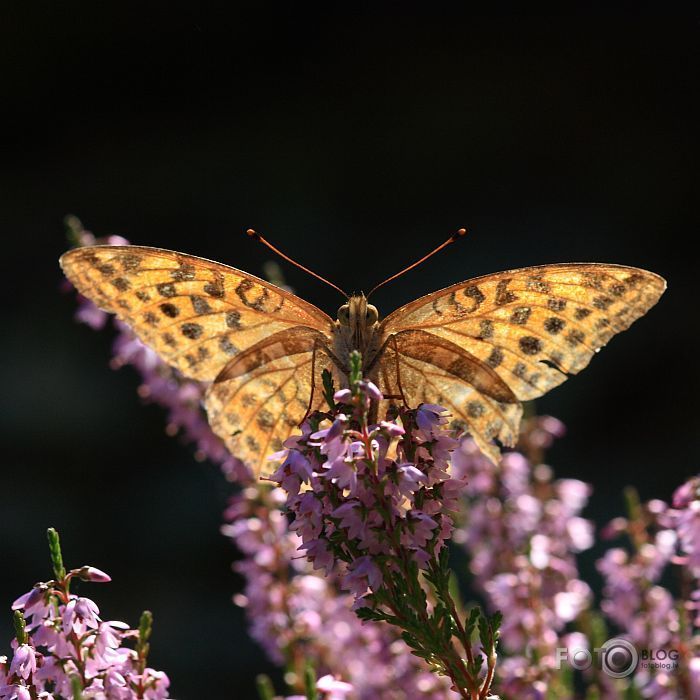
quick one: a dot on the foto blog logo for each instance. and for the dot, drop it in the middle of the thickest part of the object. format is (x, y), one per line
(617, 657)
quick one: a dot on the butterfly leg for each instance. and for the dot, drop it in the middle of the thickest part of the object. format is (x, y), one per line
(392, 340)
(390, 343)
(318, 347)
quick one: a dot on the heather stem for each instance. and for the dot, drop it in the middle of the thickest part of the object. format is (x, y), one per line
(310, 683)
(76, 687)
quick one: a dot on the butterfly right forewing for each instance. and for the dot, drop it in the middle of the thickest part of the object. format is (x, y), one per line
(532, 327)
(535, 326)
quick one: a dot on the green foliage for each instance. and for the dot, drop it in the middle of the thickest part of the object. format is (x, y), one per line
(76, 688)
(145, 630)
(59, 570)
(20, 627)
(310, 682)
(355, 368)
(264, 687)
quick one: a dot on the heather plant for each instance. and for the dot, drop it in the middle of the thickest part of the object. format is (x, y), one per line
(378, 512)
(63, 649)
(344, 556)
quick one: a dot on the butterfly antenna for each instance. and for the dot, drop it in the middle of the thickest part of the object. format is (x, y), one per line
(454, 237)
(258, 237)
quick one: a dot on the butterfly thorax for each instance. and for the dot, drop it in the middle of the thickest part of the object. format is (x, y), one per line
(356, 328)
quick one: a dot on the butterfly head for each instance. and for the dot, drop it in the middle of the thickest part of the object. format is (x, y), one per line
(358, 319)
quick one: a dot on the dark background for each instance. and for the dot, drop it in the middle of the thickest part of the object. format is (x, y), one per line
(356, 141)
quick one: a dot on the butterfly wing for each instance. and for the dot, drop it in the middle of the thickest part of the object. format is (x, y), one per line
(195, 313)
(424, 368)
(534, 326)
(261, 396)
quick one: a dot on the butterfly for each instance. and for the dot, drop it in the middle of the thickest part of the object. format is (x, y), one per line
(479, 348)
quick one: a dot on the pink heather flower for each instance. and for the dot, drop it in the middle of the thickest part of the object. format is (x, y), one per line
(350, 518)
(687, 493)
(363, 573)
(23, 662)
(15, 692)
(306, 615)
(107, 640)
(343, 396)
(81, 614)
(688, 529)
(90, 315)
(410, 479)
(360, 495)
(294, 471)
(429, 417)
(371, 391)
(522, 531)
(70, 640)
(335, 690)
(94, 575)
(419, 530)
(645, 611)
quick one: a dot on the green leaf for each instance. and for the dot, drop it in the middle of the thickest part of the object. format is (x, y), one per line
(472, 619)
(20, 627)
(592, 693)
(411, 640)
(59, 570)
(355, 368)
(310, 682)
(632, 693)
(265, 688)
(145, 630)
(495, 623)
(475, 668)
(76, 688)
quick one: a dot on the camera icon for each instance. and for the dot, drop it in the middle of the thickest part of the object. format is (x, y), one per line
(618, 657)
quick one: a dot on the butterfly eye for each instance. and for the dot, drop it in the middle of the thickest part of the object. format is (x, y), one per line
(344, 315)
(372, 314)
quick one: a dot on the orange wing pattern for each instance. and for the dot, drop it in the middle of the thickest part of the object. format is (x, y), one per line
(260, 398)
(536, 325)
(195, 313)
(533, 327)
(478, 347)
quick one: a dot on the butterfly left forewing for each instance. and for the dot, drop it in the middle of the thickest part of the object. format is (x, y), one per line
(195, 313)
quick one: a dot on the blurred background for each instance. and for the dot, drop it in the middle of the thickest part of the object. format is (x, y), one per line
(356, 140)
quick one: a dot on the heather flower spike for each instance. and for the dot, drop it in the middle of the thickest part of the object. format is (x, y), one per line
(65, 651)
(378, 509)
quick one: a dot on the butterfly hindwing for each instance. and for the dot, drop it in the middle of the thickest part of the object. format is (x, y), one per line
(195, 313)
(422, 368)
(260, 398)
